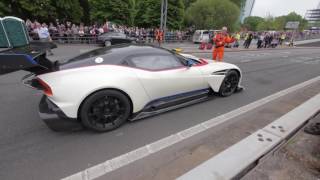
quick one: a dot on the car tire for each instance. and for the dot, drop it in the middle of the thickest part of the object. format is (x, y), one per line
(107, 43)
(229, 84)
(105, 110)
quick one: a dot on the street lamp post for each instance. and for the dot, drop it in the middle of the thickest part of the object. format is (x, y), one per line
(163, 20)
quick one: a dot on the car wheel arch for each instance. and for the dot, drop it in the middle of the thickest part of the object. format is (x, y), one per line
(222, 86)
(216, 86)
(237, 70)
(115, 89)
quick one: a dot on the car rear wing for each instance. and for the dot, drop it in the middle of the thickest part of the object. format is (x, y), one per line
(18, 52)
(30, 58)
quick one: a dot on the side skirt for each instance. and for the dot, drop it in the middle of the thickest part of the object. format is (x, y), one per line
(176, 104)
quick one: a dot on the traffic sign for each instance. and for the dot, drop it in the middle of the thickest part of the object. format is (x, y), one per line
(292, 25)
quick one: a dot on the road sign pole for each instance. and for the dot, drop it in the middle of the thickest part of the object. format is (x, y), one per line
(165, 21)
(161, 18)
(293, 36)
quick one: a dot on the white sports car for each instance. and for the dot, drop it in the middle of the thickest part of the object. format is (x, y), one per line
(104, 88)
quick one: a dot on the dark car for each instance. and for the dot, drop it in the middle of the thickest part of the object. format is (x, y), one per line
(112, 38)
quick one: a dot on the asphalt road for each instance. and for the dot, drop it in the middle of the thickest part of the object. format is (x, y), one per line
(29, 150)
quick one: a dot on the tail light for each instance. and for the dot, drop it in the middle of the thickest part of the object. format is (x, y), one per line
(32, 81)
(44, 87)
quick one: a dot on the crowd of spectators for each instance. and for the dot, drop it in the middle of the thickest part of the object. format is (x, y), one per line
(266, 39)
(272, 39)
(69, 32)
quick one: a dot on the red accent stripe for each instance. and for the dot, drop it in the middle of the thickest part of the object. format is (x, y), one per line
(203, 63)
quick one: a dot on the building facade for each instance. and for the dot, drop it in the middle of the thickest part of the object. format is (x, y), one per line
(313, 18)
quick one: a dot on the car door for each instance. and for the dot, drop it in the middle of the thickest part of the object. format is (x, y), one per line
(166, 76)
(119, 38)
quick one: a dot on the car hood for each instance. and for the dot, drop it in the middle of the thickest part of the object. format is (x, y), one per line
(212, 65)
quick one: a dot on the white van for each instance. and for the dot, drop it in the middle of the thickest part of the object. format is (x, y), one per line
(200, 36)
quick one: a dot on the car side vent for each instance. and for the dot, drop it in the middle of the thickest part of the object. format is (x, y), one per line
(223, 72)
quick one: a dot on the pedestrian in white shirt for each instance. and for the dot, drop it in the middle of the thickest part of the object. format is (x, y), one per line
(44, 35)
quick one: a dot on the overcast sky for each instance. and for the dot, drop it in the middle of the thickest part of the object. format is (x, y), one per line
(282, 7)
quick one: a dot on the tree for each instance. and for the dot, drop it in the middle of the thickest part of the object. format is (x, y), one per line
(252, 22)
(293, 16)
(113, 10)
(38, 9)
(175, 14)
(4, 9)
(148, 13)
(43, 10)
(280, 22)
(212, 14)
(86, 11)
(271, 23)
(132, 12)
(239, 3)
(69, 10)
(187, 3)
(267, 24)
(296, 17)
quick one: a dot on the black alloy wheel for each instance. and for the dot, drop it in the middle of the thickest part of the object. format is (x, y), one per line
(105, 110)
(229, 84)
(107, 43)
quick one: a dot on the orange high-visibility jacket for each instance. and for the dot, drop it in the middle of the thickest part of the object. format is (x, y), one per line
(220, 40)
(159, 35)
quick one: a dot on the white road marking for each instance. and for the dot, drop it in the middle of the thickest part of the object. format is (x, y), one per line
(245, 61)
(286, 52)
(149, 149)
(317, 61)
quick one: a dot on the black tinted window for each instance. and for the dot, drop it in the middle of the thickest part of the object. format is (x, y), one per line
(155, 62)
(121, 35)
(113, 34)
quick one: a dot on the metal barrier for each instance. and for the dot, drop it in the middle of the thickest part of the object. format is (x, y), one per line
(169, 38)
(75, 39)
(299, 37)
(93, 39)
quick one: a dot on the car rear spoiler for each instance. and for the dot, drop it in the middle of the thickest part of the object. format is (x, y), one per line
(20, 52)
(31, 57)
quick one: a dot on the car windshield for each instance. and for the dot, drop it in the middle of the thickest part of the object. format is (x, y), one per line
(185, 60)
